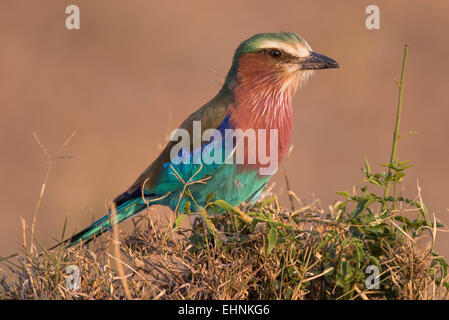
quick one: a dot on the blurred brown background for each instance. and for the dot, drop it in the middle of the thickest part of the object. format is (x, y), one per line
(136, 69)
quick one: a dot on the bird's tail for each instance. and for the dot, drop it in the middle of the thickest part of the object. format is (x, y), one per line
(123, 212)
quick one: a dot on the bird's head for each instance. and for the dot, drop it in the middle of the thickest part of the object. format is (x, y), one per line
(283, 59)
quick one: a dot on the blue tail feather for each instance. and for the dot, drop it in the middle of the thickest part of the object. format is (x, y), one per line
(124, 211)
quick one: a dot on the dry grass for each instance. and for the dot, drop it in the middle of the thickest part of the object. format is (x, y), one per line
(159, 261)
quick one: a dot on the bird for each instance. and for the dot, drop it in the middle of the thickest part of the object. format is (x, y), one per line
(256, 97)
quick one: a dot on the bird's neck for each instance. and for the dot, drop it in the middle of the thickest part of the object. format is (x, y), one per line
(263, 100)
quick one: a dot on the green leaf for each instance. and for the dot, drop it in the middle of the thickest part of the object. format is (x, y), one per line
(272, 239)
(402, 163)
(223, 204)
(268, 201)
(362, 204)
(367, 166)
(344, 194)
(375, 261)
(179, 219)
(209, 224)
(187, 206)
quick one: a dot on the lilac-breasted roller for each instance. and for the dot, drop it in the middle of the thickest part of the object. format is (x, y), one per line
(256, 98)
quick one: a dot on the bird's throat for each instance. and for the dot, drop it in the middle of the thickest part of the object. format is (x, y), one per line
(263, 100)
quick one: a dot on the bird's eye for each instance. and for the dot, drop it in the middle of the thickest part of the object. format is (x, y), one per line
(275, 53)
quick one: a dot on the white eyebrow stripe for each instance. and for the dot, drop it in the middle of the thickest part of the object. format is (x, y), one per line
(297, 49)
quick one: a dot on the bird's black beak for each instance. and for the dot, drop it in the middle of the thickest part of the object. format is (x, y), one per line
(318, 61)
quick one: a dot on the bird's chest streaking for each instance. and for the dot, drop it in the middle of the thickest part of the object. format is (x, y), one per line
(263, 104)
